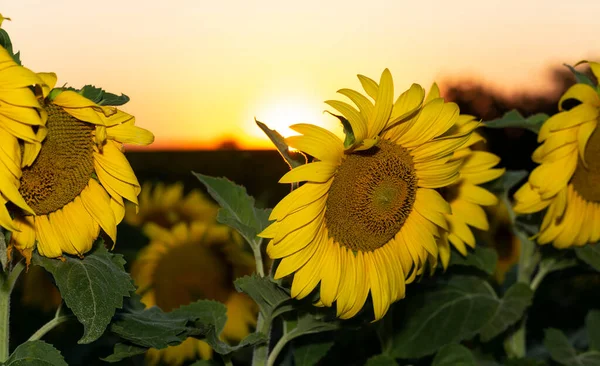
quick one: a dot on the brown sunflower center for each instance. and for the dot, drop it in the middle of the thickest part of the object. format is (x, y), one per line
(586, 180)
(63, 166)
(371, 196)
(191, 272)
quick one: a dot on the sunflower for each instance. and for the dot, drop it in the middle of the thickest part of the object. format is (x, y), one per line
(504, 241)
(567, 181)
(77, 182)
(167, 206)
(368, 216)
(466, 197)
(21, 119)
(192, 262)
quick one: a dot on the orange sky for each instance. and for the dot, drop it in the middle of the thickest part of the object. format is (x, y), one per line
(199, 71)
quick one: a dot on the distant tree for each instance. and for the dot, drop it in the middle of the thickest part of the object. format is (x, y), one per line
(514, 146)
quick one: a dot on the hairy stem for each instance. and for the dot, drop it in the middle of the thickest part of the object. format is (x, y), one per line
(7, 280)
(49, 326)
(279, 347)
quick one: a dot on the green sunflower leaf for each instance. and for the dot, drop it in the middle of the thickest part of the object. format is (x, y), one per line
(204, 363)
(237, 208)
(589, 254)
(512, 307)
(93, 287)
(293, 159)
(515, 119)
(153, 328)
(454, 354)
(592, 325)
(563, 352)
(481, 258)
(35, 353)
(123, 351)
(268, 295)
(448, 313)
(310, 353)
(381, 360)
(581, 77)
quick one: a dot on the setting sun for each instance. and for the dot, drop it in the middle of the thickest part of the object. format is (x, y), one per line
(282, 113)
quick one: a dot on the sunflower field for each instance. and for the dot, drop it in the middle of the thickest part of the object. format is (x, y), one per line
(423, 236)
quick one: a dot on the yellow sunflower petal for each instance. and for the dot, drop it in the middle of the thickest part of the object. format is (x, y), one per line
(318, 172)
(49, 244)
(383, 105)
(359, 126)
(583, 93)
(97, 203)
(298, 198)
(365, 106)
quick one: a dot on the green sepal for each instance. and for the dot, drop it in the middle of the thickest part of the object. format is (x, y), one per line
(7, 44)
(580, 77)
(350, 138)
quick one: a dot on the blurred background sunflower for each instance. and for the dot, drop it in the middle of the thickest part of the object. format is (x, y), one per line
(166, 205)
(189, 262)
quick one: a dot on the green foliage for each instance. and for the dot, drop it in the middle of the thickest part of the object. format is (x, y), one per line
(511, 309)
(153, 328)
(454, 355)
(515, 119)
(204, 363)
(309, 354)
(589, 254)
(35, 353)
(451, 312)
(92, 287)
(292, 159)
(563, 352)
(592, 324)
(237, 208)
(122, 351)
(102, 97)
(381, 360)
(270, 298)
(481, 258)
(7, 44)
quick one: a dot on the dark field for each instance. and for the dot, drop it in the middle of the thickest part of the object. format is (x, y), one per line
(257, 170)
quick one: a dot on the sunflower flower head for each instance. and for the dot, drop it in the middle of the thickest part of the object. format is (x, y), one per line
(74, 183)
(567, 181)
(190, 262)
(166, 205)
(22, 121)
(466, 197)
(368, 216)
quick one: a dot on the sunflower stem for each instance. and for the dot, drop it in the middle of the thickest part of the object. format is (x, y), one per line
(283, 341)
(57, 320)
(260, 267)
(261, 351)
(8, 280)
(515, 345)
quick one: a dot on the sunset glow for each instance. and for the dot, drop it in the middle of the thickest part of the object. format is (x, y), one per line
(199, 72)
